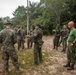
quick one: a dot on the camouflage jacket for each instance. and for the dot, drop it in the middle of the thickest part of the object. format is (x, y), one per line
(30, 34)
(64, 33)
(57, 33)
(38, 34)
(21, 34)
(7, 38)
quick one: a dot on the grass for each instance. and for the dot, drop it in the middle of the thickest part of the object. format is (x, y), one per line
(26, 63)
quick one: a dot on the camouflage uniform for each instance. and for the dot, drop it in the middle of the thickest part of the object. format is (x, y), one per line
(56, 38)
(20, 39)
(65, 33)
(71, 51)
(38, 42)
(8, 40)
(30, 39)
(61, 38)
(15, 30)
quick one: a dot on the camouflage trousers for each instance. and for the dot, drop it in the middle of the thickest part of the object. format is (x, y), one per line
(61, 39)
(56, 41)
(20, 44)
(64, 43)
(71, 54)
(37, 54)
(9, 53)
(29, 43)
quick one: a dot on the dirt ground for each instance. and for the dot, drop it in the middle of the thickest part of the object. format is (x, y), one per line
(53, 61)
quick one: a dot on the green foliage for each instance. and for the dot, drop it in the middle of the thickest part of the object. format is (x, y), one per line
(60, 11)
(19, 16)
(26, 62)
(48, 13)
(1, 24)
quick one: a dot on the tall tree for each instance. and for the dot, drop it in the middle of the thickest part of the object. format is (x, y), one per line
(19, 15)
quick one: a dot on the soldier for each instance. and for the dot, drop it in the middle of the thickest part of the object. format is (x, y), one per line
(8, 39)
(30, 39)
(71, 52)
(38, 42)
(15, 29)
(20, 37)
(61, 38)
(65, 33)
(56, 38)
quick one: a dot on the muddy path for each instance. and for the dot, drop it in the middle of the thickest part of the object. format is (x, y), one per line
(58, 58)
(53, 61)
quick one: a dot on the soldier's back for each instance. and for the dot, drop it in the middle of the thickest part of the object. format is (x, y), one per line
(7, 37)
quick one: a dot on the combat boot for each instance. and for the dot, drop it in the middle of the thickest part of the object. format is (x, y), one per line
(36, 63)
(56, 48)
(71, 67)
(20, 70)
(63, 51)
(67, 65)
